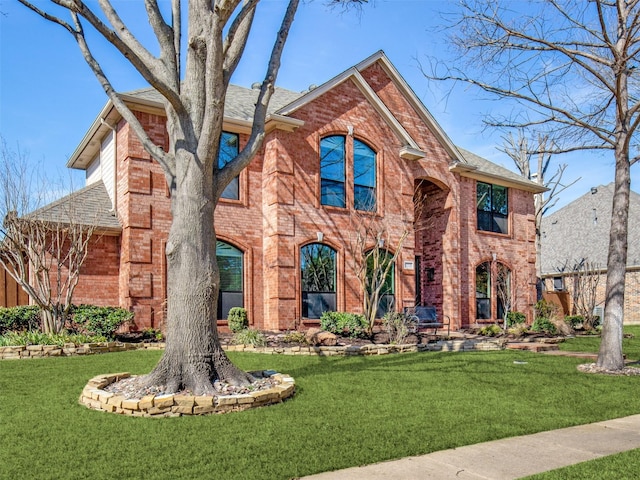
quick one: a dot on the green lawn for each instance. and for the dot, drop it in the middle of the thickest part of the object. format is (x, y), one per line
(630, 346)
(347, 411)
(625, 465)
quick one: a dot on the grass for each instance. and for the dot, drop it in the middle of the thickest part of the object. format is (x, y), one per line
(624, 465)
(630, 346)
(346, 411)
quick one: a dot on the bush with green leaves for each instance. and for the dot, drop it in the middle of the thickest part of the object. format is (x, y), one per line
(344, 324)
(515, 318)
(16, 319)
(398, 326)
(490, 330)
(294, 337)
(35, 337)
(249, 336)
(544, 325)
(103, 321)
(574, 321)
(544, 309)
(237, 319)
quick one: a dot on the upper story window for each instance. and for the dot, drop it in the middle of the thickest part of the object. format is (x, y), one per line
(333, 173)
(493, 208)
(364, 177)
(229, 151)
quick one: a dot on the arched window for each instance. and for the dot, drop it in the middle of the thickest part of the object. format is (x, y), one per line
(483, 291)
(318, 279)
(230, 265)
(364, 177)
(493, 287)
(332, 171)
(381, 273)
(229, 151)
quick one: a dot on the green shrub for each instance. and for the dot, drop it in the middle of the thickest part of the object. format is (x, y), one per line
(544, 325)
(544, 309)
(102, 321)
(294, 337)
(515, 318)
(237, 319)
(152, 334)
(398, 326)
(249, 336)
(24, 317)
(574, 320)
(491, 330)
(34, 337)
(345, 324)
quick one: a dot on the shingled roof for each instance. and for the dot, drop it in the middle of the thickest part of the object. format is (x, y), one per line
(239, 103)
(580, 230)
(90, 205)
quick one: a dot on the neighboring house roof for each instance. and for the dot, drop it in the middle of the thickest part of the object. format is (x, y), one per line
(90, 205)
(580, 230)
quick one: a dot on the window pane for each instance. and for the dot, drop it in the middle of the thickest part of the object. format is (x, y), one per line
(364, 198)
(332, 158)
(500, 224)
(229, 151)
(493, 207)
(318, 271)
(483, 193)
(364, 164)
(499, 200)
(318, 265)
(230, 266)
(332, 193)
(483, 291)
(377, 263)
(364, 176)
(483, 287)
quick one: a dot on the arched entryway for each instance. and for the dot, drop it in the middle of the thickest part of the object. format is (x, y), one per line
(431, 219)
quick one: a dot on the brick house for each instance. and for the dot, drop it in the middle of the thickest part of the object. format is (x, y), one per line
(579, 232)
(360, 144)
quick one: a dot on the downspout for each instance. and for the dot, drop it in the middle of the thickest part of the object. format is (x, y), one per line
(114, 202)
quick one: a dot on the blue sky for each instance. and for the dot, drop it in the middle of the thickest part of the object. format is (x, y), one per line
(49, 97)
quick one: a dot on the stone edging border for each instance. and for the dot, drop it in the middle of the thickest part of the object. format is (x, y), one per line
(175, 405)
(71, 349)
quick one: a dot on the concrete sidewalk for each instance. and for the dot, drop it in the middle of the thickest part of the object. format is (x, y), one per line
(508, 458)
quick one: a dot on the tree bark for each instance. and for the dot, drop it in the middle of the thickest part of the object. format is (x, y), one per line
(193, 359)
(610, 355)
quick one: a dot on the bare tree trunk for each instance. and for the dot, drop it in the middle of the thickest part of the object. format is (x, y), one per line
(610, 354)
(193, 358)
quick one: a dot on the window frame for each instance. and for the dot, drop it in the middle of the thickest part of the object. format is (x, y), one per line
(492, 218)
(328, 297)
(241, 256)
(234, 185)
(327, 194)
(357, 178)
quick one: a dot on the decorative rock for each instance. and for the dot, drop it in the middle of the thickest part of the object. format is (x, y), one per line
(315, 336)
(176, 405)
